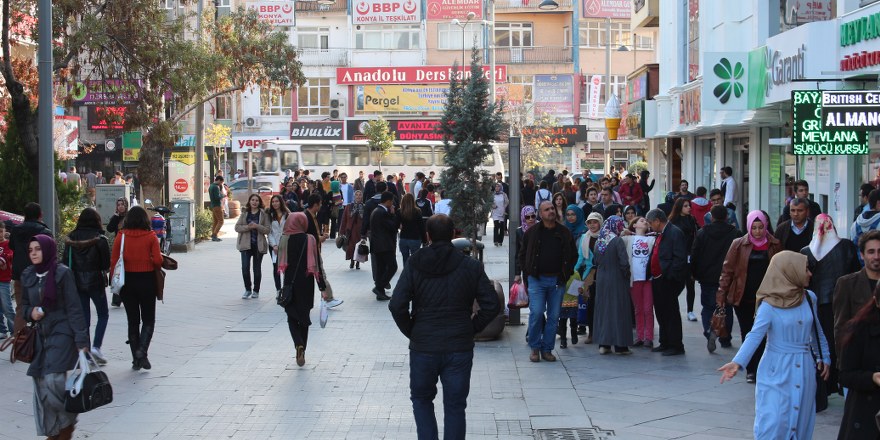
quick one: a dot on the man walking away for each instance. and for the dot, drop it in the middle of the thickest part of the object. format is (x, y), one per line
(383, 243)
(669, 268)
(707, 257)
(216, 196)
(432, 305)
(868, 220)
(728, 186)
(19, 238)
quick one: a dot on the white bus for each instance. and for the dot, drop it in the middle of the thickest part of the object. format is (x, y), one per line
(408, 157)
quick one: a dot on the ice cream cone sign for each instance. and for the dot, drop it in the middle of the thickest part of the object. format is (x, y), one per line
(612, 116)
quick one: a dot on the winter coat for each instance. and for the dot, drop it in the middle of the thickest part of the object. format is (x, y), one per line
(699, 208)
(425, 206)
(850, 294)
(631, 194)
(63, 328)
(115, 222)
(87, 254)
(19, 238)
(859, 360)
(433, 300)
(141, 253)
(369, 206)
(732, 283)
(244, 234)
(350, 226)
(710, 248)
(840, 261)
(688, 226)
(383, 231)
(528, 252)
(672, 254)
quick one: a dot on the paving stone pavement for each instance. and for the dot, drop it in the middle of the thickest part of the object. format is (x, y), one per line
(223, 368)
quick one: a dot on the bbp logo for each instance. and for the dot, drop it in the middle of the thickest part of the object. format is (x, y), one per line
(362, 8)
(409, 7)
(287, 8)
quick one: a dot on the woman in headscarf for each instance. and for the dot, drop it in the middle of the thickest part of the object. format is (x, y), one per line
(829, 257)
(350, 226)
(574, 221)
(118, 215)
(785, 395)
(298, 260)
(629, 213)
(50, 300)
(585, 265)
(741, 274)
(613, 320)
(499, 209)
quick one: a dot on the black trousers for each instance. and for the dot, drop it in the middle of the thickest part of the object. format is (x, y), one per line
(691, 294)
(745, 314)
(384, 268)
(139, 297)
(298, 332)
(826, 320)
(666, 308)
(500, 226)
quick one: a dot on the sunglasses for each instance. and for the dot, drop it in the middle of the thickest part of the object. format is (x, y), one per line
(531, 216)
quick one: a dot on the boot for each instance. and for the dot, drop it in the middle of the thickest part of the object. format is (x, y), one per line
(563, 343)
(574, 335)
(134, 344)
(145, 337)
(66, 433)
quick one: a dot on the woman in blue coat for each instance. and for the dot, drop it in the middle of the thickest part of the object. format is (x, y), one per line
(785, 395)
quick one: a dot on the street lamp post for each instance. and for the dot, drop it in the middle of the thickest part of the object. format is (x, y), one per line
(607, 88)
(457, 22)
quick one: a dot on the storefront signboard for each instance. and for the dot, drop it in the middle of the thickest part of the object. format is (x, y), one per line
(851, 110)
(563, 135)
(405, 130)
(452, 9)
(616, 9)
(131, 146)
(410, 75)
(809, 138)
(725, 80)
(275, 13)
(243, 144)
(325, 131)
(386, 12)
(401, 98)
(689, 106)
(553, 94)
(860, 40)
(104, 118)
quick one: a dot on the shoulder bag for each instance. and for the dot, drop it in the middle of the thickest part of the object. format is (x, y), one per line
(23, 343)
(118, 278)
(285, 295)
(821, 389)
(87, 387)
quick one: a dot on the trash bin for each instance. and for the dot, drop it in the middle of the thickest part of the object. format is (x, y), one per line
(464, 245)
(183, 222)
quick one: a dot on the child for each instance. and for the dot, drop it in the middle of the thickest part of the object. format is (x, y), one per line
(640, 246)
(7, 312)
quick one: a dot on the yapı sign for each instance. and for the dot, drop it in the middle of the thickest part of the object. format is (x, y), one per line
(274, 12)
(243, 144)
(386, 11)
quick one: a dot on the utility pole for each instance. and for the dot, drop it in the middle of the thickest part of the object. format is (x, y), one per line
(199, 190)
(46, 155)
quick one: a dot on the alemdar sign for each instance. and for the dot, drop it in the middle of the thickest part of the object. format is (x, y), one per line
(386, 11)
(274, 12)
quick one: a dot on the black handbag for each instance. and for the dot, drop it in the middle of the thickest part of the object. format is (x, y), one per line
(821, 386)
(285, 295)
(363, 249)
(87, 388)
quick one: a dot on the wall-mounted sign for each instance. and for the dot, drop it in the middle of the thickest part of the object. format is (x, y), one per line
(386, 11)
(65, 131)
(243, 144)
(401, 98)
(131, 146)
(607, 9)
(808, 136)
(851, 110)
(553, 94)
(773, 69)
(275, 13)
(103, 118)
(689, 106)
(327, 131)
(451, 9)
(725, 80)
(633, 126)
(595, 95)
(808, 11)
(564, 135)
(858, 34)
(410, 75)
(406, 130)
(111, 91)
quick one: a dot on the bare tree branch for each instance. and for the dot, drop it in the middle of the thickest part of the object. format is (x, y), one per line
(176, 118)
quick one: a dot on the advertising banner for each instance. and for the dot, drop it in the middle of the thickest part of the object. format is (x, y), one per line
(243, 144)
(450, 9)
(65, 131)
(386, 12)
(809, 138)
(563, 135)
(851, 110)
(131, 146)
(325, 131)
(276, 13)
(410, 75)
(398, 98)
(103, 118)
(405, 130)
(607, 9)
(595, 95)
(553, 94)
(181, 174)
(111, 91)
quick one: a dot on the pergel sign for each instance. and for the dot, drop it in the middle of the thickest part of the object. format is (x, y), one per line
(807, 135)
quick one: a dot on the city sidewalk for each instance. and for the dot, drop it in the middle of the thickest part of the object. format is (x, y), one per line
(223, 367)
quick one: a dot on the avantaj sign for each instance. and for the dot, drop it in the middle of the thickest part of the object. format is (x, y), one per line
(386, 11)
(808, 136)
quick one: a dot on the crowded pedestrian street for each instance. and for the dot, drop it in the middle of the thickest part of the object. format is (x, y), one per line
(223, 368)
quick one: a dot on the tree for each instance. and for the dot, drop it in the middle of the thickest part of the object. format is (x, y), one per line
(155, 66)
(469, 123)
(379, 138)
(218, 136)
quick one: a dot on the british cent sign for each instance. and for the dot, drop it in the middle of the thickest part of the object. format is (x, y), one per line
(808, 136)
(409, 75)
(851, 110)
(386, 11)
(449, 9)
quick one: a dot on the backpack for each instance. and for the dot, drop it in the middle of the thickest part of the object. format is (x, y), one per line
(542, 199)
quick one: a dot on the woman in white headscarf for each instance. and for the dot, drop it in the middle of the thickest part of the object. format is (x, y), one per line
(829, 257)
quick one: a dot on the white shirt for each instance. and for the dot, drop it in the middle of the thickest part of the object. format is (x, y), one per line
(343, 188)
(543, 195)
(730, 194)
(641, 254)
(417, 187)
(442, 207)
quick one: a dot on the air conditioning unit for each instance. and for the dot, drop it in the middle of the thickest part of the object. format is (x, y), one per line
(335, 105)
(253, 122)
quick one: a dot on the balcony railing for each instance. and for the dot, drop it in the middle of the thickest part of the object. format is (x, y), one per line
(312, 7)
(323, 57)
(529, 4)
(533, 55)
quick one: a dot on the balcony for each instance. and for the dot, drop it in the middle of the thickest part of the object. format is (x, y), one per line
(533, 55)
(323, 57)
(310, 8)
(529, 5)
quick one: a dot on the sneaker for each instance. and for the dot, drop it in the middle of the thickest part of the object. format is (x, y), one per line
(333, 303)
(751, 378)
(649, 344)
(246, 294)
(639, 344)
(99, 357)
(215, 239)
(604, 350)
(691, 316)
(710, 343)
(255, 294)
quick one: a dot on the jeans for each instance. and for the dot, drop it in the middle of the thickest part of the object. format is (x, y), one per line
(246, 268)
(454, 371)
(500, 226)
(8, 313)
(707, 300)
(666, 293)
(643, 302)
(408, 247)
(99, 298)
(545, 295)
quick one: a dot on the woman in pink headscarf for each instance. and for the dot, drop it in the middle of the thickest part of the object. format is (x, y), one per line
(829, 257)
(298, 260)
(741, 275)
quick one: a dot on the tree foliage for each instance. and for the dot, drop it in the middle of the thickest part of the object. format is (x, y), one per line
(535, 148)
(379, 138)
(468, 125)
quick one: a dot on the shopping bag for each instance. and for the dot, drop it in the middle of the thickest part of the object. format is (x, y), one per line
(87, 387)
(325, 313)
(519, 297)
(118, 278)
(572, 290)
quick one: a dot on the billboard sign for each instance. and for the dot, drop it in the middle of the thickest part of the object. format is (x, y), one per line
(401, 98)
(553, 94)
(275, 13)
(406, 130)
(851, 110)
(325, 131)
(243, 144)
(808, 137)
(410, 75)
(619, 9)
(386, 12)
(451, 9)
(104, 118)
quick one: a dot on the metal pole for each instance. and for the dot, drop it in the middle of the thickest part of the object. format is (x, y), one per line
(46, 156)
(491, 42)
(607, 89)
(513, 149)
(199, 191)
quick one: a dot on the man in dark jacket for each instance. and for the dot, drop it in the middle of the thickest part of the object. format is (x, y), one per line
(797, 232)
(19, 238)
(371, 188)
(371, 205)
(548, 255)
(801, 190)
(383, 244)
(707, 257)
(669, 269)
(442, 285)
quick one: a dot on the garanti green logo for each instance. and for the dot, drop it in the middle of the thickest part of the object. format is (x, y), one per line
(730, 80)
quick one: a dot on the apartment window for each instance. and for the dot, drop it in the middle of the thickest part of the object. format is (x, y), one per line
(275, 102)
(618, 86)
(224, 7)
(223, 107)
(313, 37)
(223, 3)
(593, 33)
(513, 35)
(693, 40)
(168, 4)
(314, 97)
(519, 88)
(451, 36)
(388, 37)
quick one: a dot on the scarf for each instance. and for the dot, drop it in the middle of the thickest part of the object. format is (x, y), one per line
(824, 237)
(783, 285)
(297, 224)
(527, 210)
(612, 228)
(757, 215)
(48, 266)
(578, 227)
(334, 186)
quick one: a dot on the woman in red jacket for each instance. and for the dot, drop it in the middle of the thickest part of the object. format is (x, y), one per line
(141, 257)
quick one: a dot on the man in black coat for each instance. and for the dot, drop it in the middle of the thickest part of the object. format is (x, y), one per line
(797, 232)
(801, 190)
(442, 285)
(19, 238)
(707, 257)
(370, 188)
(669, 269)
(383, 244)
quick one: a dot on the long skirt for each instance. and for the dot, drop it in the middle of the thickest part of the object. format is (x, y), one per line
(49, 413)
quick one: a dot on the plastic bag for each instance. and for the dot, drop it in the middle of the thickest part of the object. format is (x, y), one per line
(519, 296)
(325, 313)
